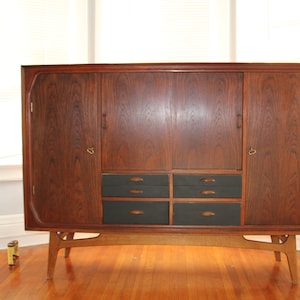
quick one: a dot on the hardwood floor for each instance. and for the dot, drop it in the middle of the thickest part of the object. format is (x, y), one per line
(148, 272)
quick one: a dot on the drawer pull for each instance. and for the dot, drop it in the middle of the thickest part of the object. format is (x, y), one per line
(207, 192)
(136, 212)
(135, 191)
(136, 179)
(104, 121)
(207, 213)
(208, 179)
(239, 121)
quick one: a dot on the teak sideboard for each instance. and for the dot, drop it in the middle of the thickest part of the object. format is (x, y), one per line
(169, 153)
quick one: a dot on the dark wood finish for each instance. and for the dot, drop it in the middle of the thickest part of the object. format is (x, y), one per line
(81, 122)
(137, 108)
(273, 130)
(63, 126)
(207, 121)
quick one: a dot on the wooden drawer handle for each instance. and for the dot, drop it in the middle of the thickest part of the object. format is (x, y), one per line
(136, 212)
(207, 213)
(208, 179)
(104, 121)
(136, 179)
(135, 191)
(239, 121)
(207, 192)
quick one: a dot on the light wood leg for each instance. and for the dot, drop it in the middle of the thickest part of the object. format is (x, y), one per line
(290, 252)
(59, 240)
(70, 236)
(52, 253)
(276, 240)
(291, 255)
(285, 244)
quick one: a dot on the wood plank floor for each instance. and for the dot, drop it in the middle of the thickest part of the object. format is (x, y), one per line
(148, 272)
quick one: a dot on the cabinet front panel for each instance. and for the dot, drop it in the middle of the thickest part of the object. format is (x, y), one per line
(64, 125)
(207, 214)
(207, 121)
(135, 212)
(273, 141)
(136, 124)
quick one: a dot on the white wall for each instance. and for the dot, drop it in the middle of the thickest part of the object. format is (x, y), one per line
(267, 31)
(11, 189)
(11, 195)
(11, 210)
(41, 32)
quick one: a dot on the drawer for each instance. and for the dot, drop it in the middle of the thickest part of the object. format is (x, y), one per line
(207, 186)
(207, 213)
(135, 212)
(144, 186)
(207, 179)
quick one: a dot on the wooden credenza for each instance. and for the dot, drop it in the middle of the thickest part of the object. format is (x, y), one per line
(193, 154)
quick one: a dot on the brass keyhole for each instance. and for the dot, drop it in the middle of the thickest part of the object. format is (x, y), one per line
(251, 151)
(90, 150)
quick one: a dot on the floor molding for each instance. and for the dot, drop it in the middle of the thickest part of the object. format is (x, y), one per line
(12, 228)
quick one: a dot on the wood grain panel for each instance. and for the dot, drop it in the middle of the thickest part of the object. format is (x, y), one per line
(136, 121)
(207, 121)
(64, 124)
(273, 130)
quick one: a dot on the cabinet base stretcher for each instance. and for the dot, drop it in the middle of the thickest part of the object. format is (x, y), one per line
(279, 243)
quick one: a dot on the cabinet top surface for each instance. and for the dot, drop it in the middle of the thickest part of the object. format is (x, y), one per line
(166, 67)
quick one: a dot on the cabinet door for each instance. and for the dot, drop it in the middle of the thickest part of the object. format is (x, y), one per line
(136, 121)
(273, 141)
(63, 127)
(207, 121)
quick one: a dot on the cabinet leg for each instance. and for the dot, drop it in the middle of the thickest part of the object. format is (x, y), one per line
(69, 237)
(290, 252)
(66, 240)
(291, 255)
(52, 253)
(276, 240)
(280, 243)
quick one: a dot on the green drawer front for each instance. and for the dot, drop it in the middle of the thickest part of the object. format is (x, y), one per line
(207, 214)
(135, 212)
(135, 185)
(200, 192)
(207, 179)
(207, 186)
(137, 179)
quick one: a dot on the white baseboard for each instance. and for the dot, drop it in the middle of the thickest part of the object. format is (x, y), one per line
(12, 228)
(11, 172)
